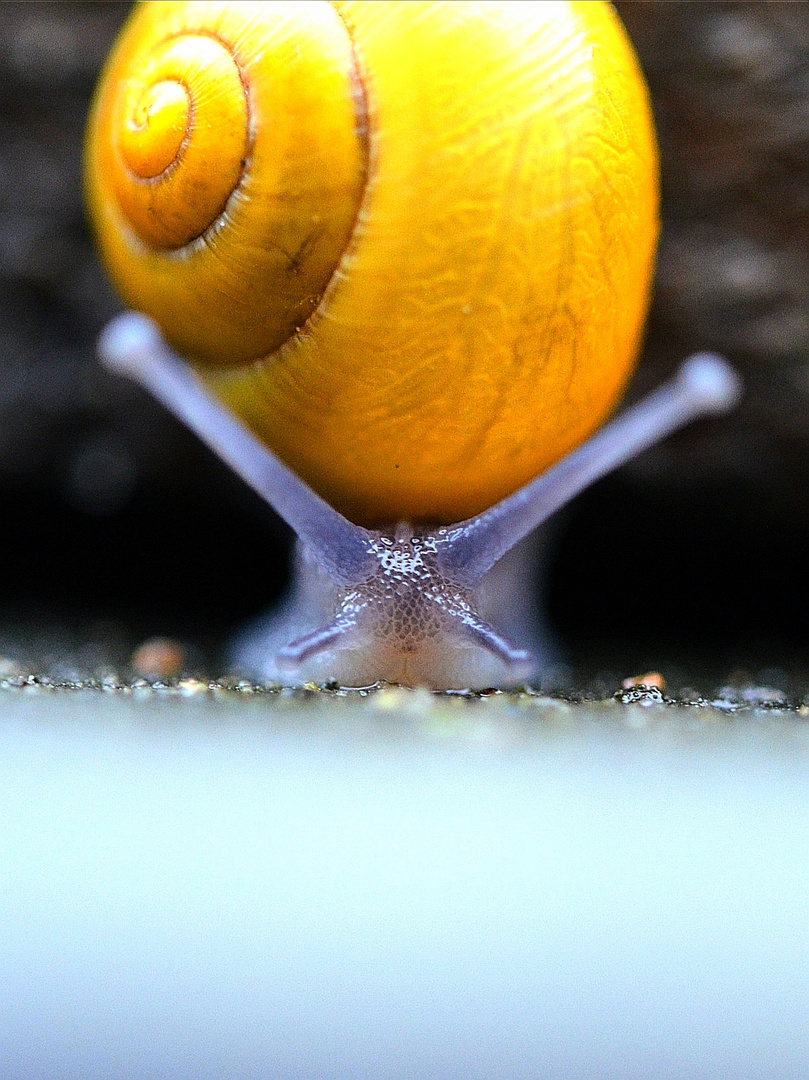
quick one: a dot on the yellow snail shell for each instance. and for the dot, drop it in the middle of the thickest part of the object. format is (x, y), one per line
(410, 244)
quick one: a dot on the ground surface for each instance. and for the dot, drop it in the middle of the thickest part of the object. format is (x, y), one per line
(218, 882)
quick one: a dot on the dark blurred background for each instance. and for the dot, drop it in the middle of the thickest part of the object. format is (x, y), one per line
(118, 526)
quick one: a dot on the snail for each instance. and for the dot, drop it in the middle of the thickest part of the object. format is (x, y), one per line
(392, 262)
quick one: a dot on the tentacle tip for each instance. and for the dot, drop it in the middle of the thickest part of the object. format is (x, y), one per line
(125, 340)
(290, 657)
(712, 382)
(522, 664)
(287, 660)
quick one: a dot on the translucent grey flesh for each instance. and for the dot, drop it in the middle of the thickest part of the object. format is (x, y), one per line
(132, 345)
(704, 385)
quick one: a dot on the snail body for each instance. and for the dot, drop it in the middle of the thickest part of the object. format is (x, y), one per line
(407, 250)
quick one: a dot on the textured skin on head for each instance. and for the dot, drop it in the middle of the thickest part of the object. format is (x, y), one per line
(408, 621)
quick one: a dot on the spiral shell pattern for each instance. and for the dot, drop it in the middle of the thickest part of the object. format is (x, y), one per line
(186, 104)
(228, 240)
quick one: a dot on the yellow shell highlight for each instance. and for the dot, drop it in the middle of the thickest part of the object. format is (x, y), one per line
(484, 311)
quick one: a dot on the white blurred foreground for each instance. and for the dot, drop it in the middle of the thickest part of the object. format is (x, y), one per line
(194, 890)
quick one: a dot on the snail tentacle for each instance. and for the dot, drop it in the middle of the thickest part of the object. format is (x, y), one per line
(291, 656)
(132, 345)
(706, 384)
(517, 659)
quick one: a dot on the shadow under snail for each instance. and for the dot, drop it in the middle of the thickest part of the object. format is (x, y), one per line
(407, 249)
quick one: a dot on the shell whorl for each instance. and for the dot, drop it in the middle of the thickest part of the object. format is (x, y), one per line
(226, 164)
(186, 104)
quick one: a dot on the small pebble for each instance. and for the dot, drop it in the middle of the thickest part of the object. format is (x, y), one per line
(651, 678)
(158, 658)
